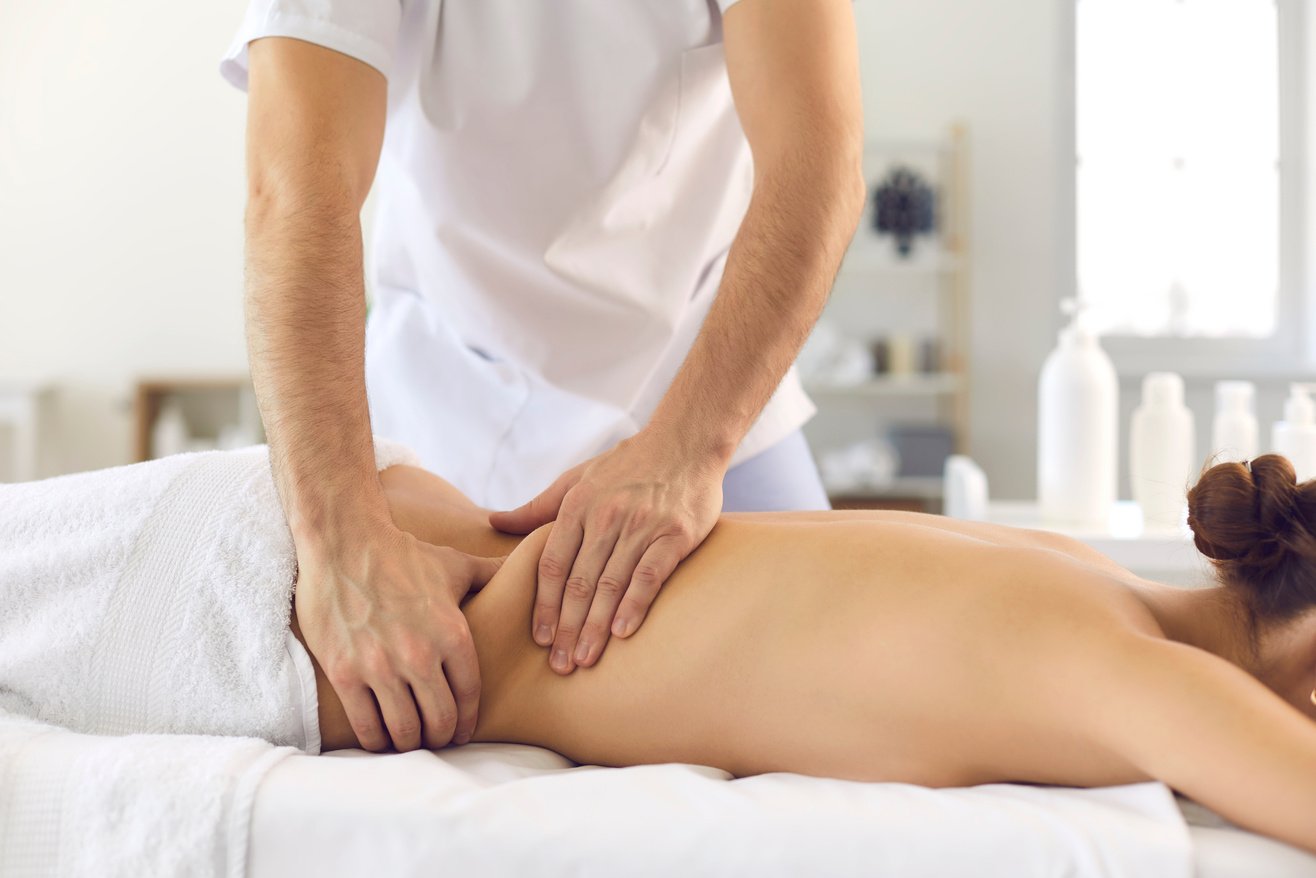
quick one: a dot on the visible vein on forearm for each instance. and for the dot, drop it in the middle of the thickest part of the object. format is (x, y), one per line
(305, 316)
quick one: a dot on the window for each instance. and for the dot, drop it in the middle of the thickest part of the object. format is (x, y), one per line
(1178, 121)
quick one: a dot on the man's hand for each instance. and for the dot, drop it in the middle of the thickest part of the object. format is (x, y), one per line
(625, 519)
(379, 610)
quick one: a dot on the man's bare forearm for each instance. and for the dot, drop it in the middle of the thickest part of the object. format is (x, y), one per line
(777, 278)
(305, 321)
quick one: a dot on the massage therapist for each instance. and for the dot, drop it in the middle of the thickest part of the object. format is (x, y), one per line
(603, 231)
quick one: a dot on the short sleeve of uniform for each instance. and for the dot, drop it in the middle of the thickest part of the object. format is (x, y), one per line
(364, 29)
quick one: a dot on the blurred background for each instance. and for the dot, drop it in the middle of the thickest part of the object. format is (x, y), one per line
(1147, 155)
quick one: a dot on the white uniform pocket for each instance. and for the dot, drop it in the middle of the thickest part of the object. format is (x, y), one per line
(450, 403)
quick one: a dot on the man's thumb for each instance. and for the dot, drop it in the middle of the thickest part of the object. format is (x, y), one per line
(483, 570)
(541, 510)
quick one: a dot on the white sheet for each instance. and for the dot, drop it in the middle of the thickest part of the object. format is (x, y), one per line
(1223, 850)
(1234, 853)
(511, 810)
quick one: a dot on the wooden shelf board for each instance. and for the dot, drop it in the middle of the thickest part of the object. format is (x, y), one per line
(862, 260)
(924, 384)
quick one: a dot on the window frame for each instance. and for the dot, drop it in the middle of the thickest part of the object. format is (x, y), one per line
(1291, 350)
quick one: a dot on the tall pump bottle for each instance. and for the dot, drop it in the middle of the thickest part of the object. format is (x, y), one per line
(1234, 430)
(1162, 450)
(1295, 436)
(1077, 428)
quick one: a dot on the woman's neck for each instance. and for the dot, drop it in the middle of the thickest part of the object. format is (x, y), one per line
(1212, 619)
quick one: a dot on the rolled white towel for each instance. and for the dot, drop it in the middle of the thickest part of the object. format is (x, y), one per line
(156, 598)
(150, 603)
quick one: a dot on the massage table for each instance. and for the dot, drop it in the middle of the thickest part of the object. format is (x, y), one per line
(495, 809)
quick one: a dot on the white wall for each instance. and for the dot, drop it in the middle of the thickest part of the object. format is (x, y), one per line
(121, 196)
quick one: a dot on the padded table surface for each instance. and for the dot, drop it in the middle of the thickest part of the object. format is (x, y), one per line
(495, 809)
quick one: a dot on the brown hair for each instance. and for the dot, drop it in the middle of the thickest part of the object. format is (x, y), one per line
(1256, 523)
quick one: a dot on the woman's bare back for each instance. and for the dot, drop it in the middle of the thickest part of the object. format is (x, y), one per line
(872, 650)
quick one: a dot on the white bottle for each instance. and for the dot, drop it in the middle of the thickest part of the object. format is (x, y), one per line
(1234, 431)
(966, 489)
(1162, 453)
(1295, 436)
(1077, 429)
(169, 435)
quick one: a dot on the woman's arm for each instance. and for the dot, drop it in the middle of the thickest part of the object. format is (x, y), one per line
(1206, 728)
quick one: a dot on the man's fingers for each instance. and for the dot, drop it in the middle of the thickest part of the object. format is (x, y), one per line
(363, 713)
(554, 567)
(578, 596)
(438, 710)
(542, 509)
(462, 668)
(657, 563)
(400, 714)
(614, 579)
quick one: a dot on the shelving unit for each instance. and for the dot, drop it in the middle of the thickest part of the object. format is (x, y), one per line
(210, 403)
(911, 493)
(867, 261)
(942, 260)
(918, 384)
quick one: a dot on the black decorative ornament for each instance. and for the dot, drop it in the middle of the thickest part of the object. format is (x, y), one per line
(904, 208)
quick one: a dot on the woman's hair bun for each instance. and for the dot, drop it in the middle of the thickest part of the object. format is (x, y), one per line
(1233, 508)
(1253, 521)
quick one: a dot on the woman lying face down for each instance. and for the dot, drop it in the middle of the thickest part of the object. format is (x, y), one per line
(892, 646)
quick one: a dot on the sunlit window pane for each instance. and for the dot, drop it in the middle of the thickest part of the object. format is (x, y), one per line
(1178, 166)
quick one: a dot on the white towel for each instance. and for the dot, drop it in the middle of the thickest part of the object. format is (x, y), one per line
(133, 806)
(146, 600)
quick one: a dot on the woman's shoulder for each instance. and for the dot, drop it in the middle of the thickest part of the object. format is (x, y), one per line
(1078, 587)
